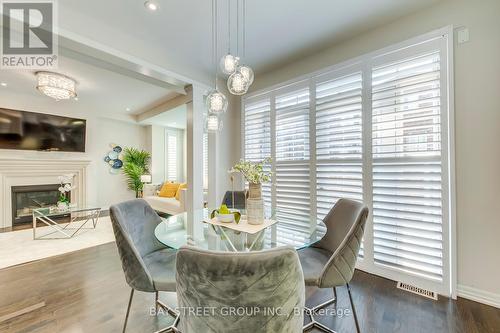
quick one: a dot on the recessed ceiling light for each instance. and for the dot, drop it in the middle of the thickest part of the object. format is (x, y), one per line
(3, 84)
(151, 5)
(127, 109)
(76, 98)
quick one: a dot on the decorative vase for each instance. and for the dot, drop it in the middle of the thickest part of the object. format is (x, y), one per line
(255, 204)
(254, 191)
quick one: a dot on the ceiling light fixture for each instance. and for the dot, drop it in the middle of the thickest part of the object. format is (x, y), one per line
(151, 5)
(216, 102)
(56, 85)
(127, 109)
(242, 77)
(3, 84)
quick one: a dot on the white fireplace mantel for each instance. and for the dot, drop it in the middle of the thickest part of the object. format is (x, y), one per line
(19, 172)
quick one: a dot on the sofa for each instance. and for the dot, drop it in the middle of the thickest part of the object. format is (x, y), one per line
(170, 206)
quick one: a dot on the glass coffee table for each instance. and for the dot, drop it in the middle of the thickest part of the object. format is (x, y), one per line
(78, 219)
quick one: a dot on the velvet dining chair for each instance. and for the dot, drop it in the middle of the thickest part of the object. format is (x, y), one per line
(330, 262)
(147, 264)
(259, 281)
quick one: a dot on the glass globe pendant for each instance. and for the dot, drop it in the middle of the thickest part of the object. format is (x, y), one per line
(229, 64)
(214, 124)
(247, 73)
(237, 83)
(216, 102)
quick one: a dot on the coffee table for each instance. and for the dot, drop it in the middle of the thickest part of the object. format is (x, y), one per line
(79, 217)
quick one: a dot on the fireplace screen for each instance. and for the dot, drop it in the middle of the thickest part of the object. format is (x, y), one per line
(27, 198)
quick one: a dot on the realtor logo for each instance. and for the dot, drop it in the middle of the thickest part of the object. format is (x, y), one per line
(28, 37)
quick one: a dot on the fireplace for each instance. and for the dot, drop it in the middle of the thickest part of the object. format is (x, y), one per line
(27, 198)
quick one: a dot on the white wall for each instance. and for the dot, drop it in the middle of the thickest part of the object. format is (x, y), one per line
(104, 188)
(477, 124)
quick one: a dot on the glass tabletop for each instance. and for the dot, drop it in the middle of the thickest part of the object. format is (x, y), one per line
(54, 211)
(176, 231)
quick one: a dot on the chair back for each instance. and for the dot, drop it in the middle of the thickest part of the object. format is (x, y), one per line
(345, 225)
(134, 222)
(239, 199)
(240, 290)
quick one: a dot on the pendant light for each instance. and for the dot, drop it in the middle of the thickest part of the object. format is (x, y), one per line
(229, 63)
(239, 82)
(214, 124)
(216, 102)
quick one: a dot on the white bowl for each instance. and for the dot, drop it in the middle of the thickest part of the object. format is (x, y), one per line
(226, 218)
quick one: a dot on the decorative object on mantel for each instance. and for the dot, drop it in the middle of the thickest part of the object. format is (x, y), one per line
(135, 165)
(254, 174)
(66, 182)
(114, 159)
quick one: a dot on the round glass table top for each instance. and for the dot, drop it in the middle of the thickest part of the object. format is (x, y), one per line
(179, 230)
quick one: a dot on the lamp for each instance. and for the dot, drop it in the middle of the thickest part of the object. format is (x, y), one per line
(145, 178)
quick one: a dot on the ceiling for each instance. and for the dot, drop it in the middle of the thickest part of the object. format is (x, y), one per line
(100, 92)
(178, 35)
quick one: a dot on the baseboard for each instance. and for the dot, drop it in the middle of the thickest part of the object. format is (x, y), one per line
(479, 295)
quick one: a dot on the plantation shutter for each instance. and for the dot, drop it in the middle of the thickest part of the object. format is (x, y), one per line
(258, 136)
(339, 163)
(292, 158)
(171, 156)
(407, 167)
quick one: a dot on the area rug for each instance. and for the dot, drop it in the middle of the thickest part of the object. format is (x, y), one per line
(18, 247)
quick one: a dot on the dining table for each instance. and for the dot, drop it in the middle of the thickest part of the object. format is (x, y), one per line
(194, 229)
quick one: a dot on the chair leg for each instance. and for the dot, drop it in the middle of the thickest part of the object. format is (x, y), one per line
(353, 308)
(128, 310)
(171, 312)
(314, 323)
(156, 302)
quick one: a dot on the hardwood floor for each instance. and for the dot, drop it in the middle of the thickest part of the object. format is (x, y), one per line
(85, 291)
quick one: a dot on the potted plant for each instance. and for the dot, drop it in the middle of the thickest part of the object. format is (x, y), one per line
(66, 185)
(135, 164)
(254, 174)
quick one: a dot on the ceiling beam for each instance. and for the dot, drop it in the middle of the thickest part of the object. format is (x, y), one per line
(167, 105)
(102, 59)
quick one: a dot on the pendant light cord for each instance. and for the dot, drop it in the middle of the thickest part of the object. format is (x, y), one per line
(229, 26)
(244, 27)
(214, 39)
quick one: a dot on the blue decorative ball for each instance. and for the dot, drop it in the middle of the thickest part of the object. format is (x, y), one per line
(117, 149)
(117, 164)
(107, 159)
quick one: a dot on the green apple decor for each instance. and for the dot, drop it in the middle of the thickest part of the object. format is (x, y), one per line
(224, 214)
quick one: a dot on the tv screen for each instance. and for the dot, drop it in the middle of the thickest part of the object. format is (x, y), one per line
(37, 131)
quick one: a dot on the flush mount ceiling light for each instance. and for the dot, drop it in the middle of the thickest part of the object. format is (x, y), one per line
(56, 85)
(151, 5)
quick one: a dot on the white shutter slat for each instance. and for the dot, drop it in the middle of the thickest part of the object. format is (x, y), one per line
(407, 192)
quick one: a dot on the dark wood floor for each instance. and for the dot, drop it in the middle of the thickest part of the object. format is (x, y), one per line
(85, 291)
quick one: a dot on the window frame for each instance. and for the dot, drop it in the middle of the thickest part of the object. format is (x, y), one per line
(444, 37)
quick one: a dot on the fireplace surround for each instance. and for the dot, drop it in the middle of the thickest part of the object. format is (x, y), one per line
(23, 172)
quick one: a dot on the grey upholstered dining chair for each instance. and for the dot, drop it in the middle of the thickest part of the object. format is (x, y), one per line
(238, 197)
(148, 265)
(330, 262)
(267, 285)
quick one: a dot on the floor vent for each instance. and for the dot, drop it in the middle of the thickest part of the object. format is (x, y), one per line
(418, 291)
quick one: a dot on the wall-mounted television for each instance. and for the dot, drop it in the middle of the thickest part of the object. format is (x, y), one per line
(37, 131)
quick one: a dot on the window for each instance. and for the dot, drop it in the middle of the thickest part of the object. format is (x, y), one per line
(374, 129)
(172, 153)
